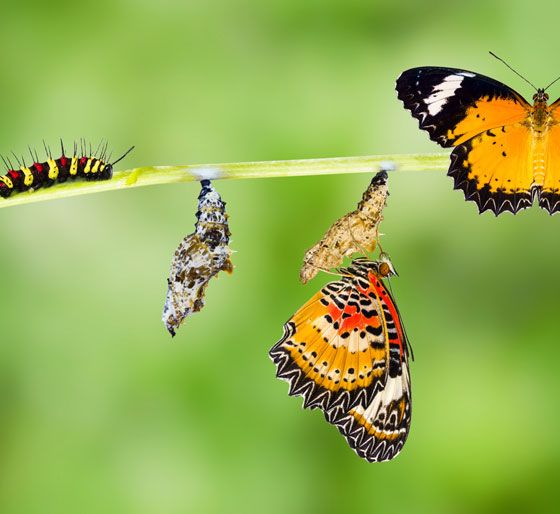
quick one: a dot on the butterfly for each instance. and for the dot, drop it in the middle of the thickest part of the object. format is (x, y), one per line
(506, 152)
(346, 352)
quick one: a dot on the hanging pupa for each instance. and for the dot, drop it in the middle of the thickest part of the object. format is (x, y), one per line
(352, 233)
(199, 257)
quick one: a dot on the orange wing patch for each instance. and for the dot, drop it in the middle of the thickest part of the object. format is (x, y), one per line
(495, 169)
(486, 114)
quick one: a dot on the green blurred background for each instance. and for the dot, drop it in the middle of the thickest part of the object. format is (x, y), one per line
(101, 412)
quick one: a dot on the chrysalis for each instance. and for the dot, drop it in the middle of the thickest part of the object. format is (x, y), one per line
(354, 232)
(199, 257)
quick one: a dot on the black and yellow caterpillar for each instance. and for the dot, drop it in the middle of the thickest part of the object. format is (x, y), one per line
(45, 174)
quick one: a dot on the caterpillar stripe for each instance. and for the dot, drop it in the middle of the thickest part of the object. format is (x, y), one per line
(45, 174)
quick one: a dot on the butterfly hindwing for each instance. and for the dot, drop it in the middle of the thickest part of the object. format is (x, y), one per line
(493, 169)
(454, 105)
(377, 430)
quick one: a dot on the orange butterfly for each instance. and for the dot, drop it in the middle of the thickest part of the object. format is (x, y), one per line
(346, 352)
(506, 151)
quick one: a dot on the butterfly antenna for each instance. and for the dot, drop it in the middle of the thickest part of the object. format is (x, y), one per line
(554, 81)
(123, 156)
(407, 341)
(514, 71)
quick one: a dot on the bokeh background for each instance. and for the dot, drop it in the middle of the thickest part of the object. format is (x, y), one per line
(100, 411)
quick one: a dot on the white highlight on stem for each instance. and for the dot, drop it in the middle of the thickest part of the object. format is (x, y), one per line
(206, 173)
(387, 166)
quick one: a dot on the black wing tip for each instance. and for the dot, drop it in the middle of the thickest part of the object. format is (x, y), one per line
(409, 98)
(416, 71)
(414, 87)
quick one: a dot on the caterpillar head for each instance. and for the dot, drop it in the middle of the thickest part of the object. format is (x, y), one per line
(107, 172)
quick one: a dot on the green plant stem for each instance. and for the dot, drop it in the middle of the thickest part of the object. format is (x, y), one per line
(154, 175)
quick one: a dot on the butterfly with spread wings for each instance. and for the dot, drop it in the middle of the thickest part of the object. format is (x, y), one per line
(506, 151)
(346, 352)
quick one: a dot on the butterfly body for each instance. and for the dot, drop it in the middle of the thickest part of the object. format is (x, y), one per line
(540, 119)
(506, 151)
(346, 352)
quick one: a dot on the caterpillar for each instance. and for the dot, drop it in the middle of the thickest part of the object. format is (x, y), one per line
(45, 174)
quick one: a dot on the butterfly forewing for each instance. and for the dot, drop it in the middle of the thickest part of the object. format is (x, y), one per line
(334, 348)
(454, 105)
(345, 352)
